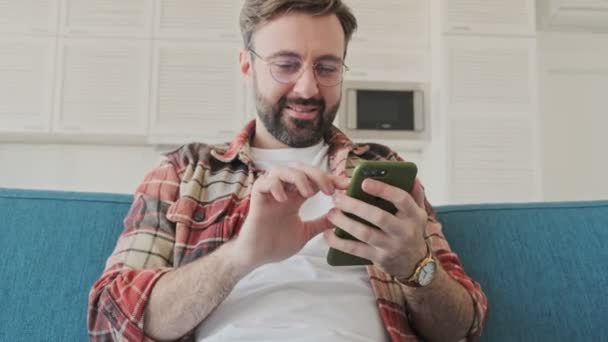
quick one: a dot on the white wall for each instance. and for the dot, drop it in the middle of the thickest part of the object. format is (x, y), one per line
(97, 168)
(573, 92)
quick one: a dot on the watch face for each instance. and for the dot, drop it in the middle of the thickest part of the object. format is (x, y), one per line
(426, 274)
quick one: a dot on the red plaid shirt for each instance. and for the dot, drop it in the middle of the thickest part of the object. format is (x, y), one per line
(196, 200)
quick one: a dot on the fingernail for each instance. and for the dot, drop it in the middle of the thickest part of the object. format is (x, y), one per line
(365, 184)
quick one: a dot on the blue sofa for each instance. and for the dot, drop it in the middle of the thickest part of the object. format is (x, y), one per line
(542, 265)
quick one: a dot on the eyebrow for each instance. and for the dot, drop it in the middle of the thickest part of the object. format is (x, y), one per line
(330, 57)
(284, 53)
(287, 53)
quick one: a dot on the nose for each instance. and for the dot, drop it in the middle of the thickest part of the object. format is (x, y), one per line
(306, 85)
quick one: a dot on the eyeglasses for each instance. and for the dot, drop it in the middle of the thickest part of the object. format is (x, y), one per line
(288, 69)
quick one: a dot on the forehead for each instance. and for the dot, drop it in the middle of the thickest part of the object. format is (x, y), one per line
(301, 33)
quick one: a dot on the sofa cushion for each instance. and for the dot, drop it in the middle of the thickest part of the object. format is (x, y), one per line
(53, 247)
(542, 266)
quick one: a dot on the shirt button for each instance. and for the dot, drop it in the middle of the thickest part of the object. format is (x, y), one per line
(199, 216)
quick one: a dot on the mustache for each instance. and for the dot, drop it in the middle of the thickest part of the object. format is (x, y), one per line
(284, 101)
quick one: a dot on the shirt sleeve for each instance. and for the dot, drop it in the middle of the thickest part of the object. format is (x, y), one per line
(452, 265)
(143, 253)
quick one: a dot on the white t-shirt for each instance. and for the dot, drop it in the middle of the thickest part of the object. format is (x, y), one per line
(301, 298)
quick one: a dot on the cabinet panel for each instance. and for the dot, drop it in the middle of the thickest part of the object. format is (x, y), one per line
(492, 113)
(387, 65)
(492, 75)
(197, 92)
(102, 86)
(29, 16)
(26, 74)
(391, 42)
(493, 160)
(489, 16)
(112, 18)
(396, 23)
(197, 19)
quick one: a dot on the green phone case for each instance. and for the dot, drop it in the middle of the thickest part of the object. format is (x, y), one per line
(396, 173)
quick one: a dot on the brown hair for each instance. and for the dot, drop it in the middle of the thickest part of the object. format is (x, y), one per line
(256, 12)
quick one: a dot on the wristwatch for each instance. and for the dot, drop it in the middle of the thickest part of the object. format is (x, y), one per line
(424, 271)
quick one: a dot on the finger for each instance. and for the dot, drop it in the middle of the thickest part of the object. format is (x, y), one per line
(277, 190)
(263, 184)
(270, 185)
(399, 197)
(299, 179)
(374, 215)
(361, 231)
(353, 247)
(322, 179)
(314, 227)
(340, 182)
(418, 194)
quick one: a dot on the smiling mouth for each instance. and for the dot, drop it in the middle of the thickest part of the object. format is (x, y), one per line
(302, 109)
(302, 112)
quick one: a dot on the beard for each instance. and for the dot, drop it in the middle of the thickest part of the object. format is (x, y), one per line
(291, 131)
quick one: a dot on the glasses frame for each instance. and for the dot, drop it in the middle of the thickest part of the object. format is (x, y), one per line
(345, 68)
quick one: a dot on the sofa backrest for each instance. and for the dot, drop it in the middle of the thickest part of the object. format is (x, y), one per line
(53, 246)
(543, 267)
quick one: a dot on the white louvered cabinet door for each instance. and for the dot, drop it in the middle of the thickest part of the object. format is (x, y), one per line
(503, 17)
(196, 19)
(29, 16)
(492, 119)
(197, 92)
(26, 77)
(106, 18)
(391, 42)
(102, 87)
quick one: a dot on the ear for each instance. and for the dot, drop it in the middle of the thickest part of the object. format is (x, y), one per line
(245, 63)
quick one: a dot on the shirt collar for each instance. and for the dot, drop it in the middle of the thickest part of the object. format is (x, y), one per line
(240, 147)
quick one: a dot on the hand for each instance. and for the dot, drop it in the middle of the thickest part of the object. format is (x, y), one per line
(273, 230)
(399, 243)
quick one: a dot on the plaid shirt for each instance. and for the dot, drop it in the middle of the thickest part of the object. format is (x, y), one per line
(197, 199)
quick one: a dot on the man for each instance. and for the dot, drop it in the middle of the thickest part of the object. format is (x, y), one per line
(228, 243)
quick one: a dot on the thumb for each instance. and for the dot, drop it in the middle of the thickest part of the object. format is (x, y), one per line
(316, 226)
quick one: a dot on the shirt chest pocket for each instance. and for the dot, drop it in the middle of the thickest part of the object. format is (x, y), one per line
(197, 215)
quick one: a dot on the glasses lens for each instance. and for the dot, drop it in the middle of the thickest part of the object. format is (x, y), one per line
(329, 74)
(285, 71)
(288, 71)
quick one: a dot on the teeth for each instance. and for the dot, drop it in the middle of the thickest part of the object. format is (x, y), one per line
(303, 109)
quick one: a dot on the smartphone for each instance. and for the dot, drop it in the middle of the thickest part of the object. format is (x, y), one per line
(396, 173)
